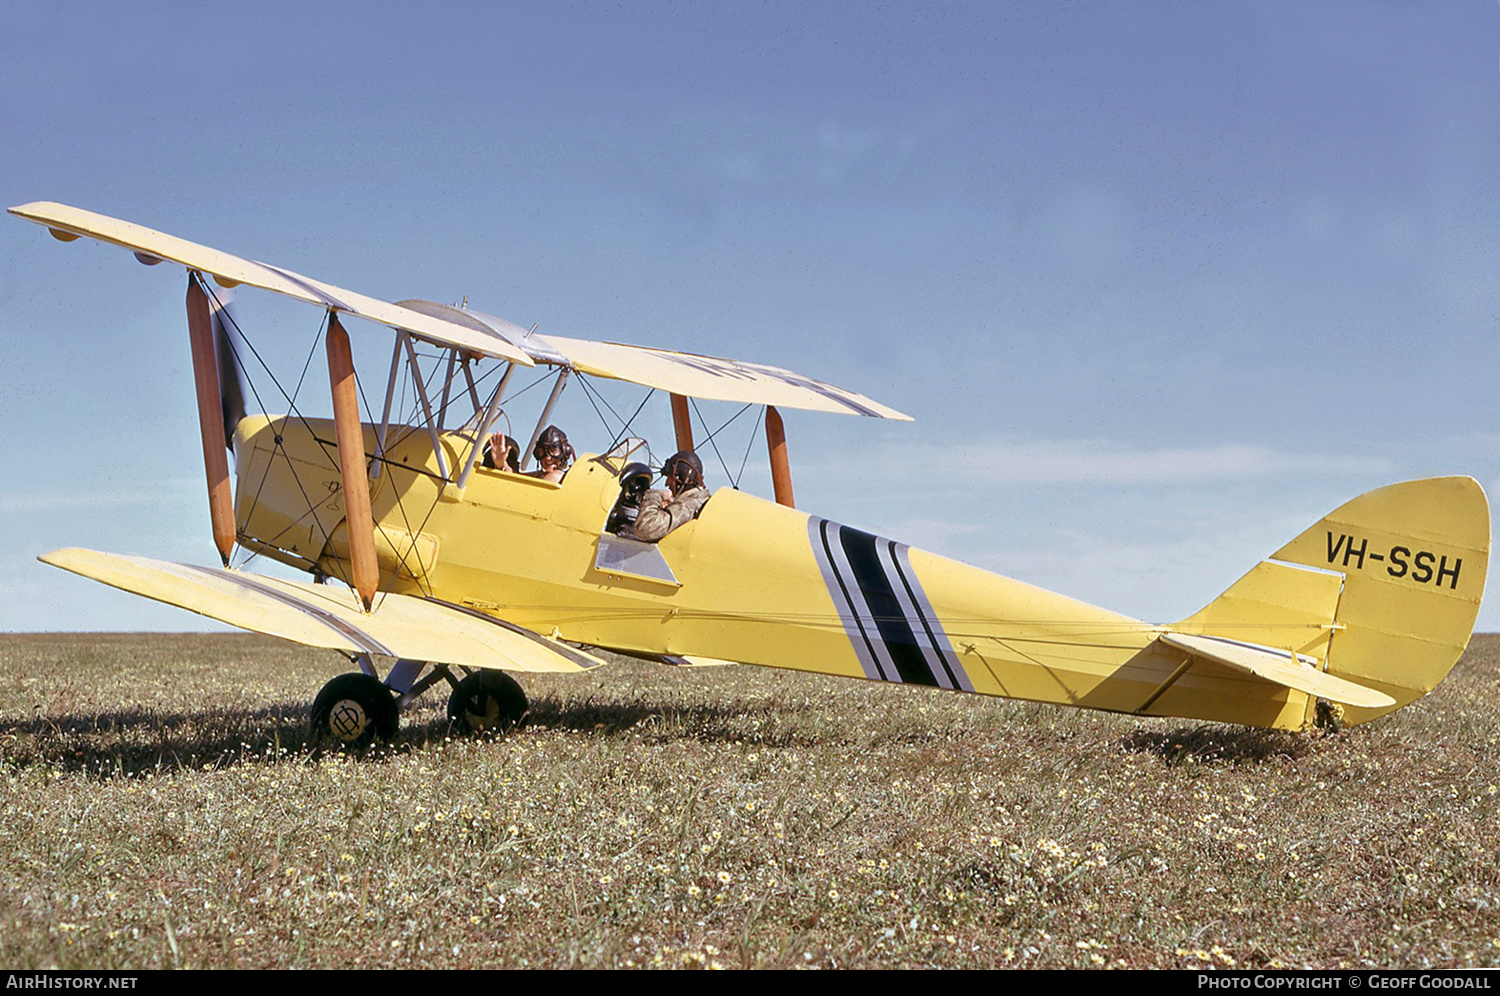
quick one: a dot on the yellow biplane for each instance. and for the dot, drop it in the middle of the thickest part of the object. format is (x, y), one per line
(458, 572)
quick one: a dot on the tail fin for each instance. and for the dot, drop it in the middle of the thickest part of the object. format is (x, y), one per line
(1400, 572)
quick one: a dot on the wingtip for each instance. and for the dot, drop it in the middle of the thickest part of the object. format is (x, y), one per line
(68, 558)
(32, 209)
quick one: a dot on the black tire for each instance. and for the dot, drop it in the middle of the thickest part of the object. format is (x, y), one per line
(353, 710)
(486, 702)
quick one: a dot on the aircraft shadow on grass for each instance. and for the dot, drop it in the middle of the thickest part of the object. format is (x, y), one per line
(131, 742)
(138, 740)
(1220, 745)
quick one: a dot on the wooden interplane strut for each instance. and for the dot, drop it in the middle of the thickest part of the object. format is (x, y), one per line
(211, 417)
(781, 466)
(682, 423)
(356, 481)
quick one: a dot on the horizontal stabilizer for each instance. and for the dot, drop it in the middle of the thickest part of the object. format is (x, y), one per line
(1279, 667)
(320, 615)
(229, 270)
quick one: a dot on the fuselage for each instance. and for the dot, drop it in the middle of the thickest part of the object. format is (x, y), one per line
(748, 581)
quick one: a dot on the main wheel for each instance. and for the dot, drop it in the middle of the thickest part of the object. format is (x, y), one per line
(484, 702)
(353, 710)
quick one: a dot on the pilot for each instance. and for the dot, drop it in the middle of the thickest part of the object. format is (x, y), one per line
(663, 511)
(501, 443)
(635, 481)
(553, 454)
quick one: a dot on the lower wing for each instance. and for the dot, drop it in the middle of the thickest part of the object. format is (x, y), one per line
(402, 626)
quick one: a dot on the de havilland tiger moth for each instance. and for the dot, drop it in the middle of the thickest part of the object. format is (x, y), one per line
(432, 565)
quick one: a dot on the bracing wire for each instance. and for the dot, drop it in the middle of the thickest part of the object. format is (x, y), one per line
(711, 435)
(625, 430)
(591, 392)
(749, 444)
(226, 315)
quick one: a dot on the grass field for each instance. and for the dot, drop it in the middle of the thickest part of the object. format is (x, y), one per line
(161, 807)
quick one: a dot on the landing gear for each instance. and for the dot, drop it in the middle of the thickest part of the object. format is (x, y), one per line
(353, 710)
(484, 702)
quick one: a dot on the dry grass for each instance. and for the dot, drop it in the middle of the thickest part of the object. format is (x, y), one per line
(161, 808)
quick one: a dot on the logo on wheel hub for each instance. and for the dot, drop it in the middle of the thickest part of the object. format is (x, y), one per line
(347, 719)
(487, 716)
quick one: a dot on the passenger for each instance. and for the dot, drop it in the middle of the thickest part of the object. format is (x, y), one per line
(553, 455)
(501, 443)
(663, 511)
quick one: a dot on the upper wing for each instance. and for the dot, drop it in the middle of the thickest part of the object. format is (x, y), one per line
(1280, 668)
(715, 378)
(330, 615)
(151, 246)
(712, 377)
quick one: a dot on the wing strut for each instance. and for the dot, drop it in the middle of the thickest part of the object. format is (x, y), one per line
(210, 417)
(430, 421)
(486, 421)
(385, 415)
(781, 465)
(541, 423)
(682, 423)
(356, 479)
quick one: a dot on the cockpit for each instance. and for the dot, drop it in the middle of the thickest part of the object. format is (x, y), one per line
(635, 481)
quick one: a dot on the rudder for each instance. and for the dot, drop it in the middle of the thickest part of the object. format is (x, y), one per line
(1414, 558)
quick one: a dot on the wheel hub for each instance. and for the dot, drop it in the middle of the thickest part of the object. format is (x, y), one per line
(483, 713)
(348, 719)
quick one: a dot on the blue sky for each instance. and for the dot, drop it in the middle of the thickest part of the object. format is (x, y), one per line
(1161, 283)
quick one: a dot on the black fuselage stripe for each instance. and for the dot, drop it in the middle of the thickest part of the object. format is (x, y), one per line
(888, 615)
(887, 666)
(887, 551)
(930, 613)
(916, 601)
(849, 602)
(848, 615)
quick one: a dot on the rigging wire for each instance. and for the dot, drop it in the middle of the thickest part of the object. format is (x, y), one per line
(322, 330)
(594, 391)
(721, 428)
(749, 444)
(626, 428)
(226, 316)
(710, 440)
(591, 392)
(412, 425)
